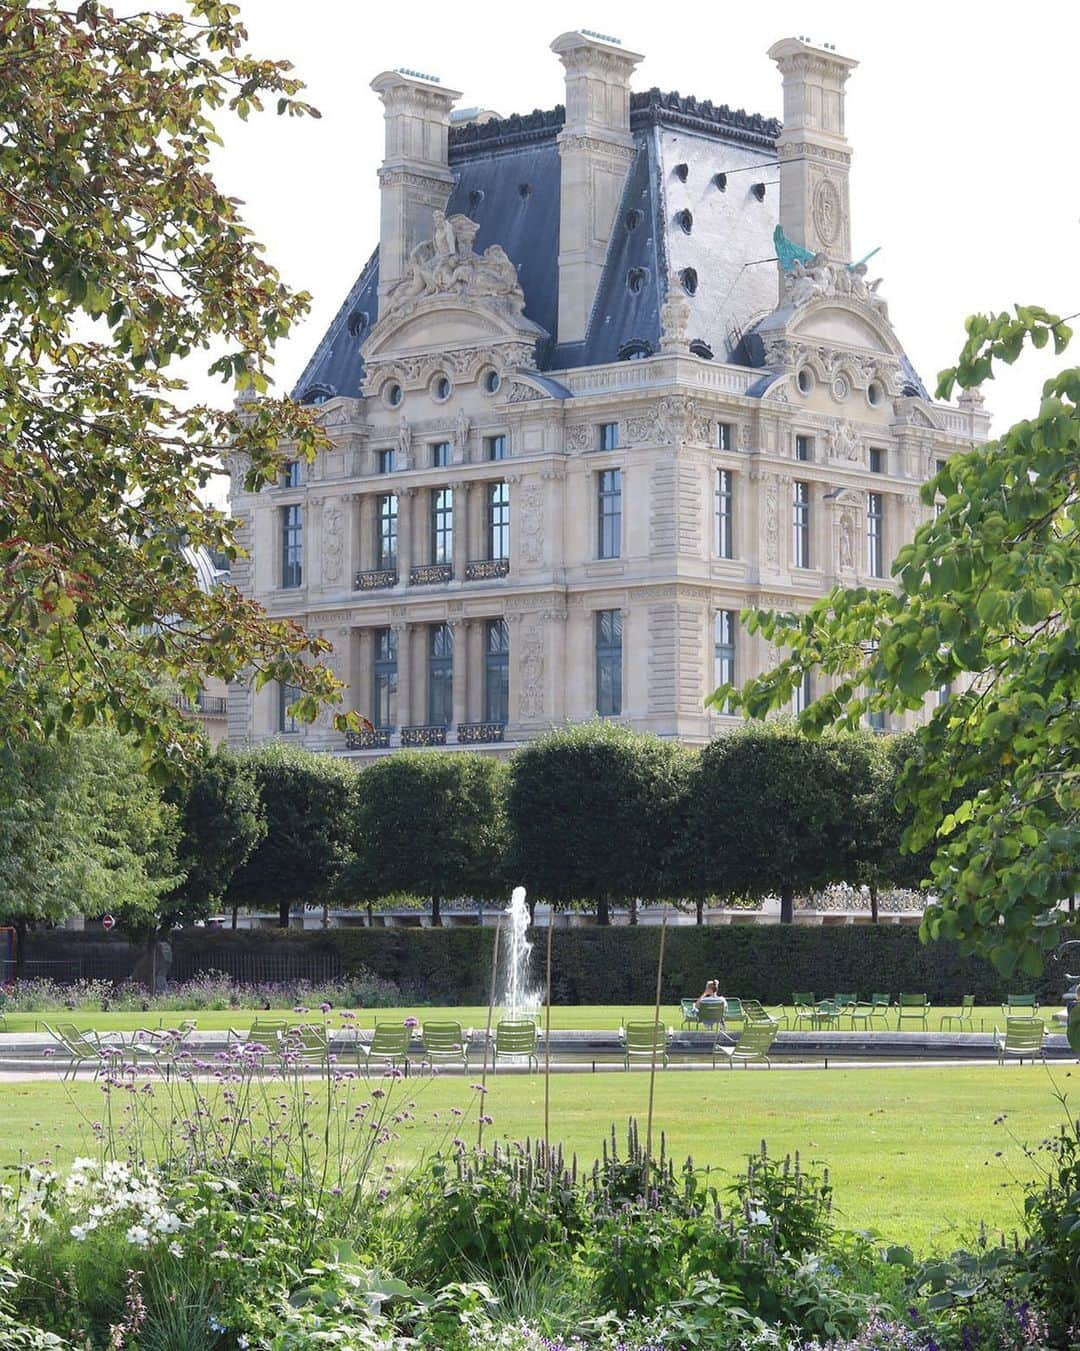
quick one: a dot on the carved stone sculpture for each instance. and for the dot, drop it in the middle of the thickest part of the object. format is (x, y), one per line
(675, 319)
(843, 442)
(847, 536)
(447, 264)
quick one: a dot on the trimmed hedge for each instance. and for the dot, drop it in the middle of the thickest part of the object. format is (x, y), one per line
(616, 965)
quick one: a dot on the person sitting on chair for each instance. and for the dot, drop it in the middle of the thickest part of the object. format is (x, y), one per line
(713, 1000)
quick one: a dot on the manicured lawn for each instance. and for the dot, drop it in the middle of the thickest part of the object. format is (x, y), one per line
(581, 1016)
(913, 1153)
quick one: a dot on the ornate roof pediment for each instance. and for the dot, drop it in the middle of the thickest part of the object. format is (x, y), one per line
(451, 296)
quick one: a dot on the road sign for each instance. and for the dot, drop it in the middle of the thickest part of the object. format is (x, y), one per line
(107, 922)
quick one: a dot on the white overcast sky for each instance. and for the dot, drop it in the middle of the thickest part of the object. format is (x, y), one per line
(963, 120)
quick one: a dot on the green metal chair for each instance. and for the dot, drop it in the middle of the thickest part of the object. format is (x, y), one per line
(690, 1015)
(735, 1012)
(306, 1045)
(805, 1007)
(266, 1032)
(445, 1044)
(711, 1013)
(1023, 1038)
(912, 1008)
(827, 1014)
(389, 1044)
(643, 1042)
(963, 1018)
(756, 1012)
(752, 1048)
(862, 1011)
(845, 1001)
(82, 1048)
(516, 1037)
(880, 1004)
(1020, 1006)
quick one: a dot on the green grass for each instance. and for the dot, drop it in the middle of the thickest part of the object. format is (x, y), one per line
(913, 1153)
(580, 1016)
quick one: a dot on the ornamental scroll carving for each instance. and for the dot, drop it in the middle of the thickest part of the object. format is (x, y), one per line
(333, 543)
(772, 535)
(531, 671)
(579, 436)
(531, 523)
(447, 264)
(843, 441)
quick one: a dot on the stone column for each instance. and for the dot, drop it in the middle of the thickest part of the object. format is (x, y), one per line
(363, 685)
(460, 628)
(477, 513)
(406, 500)
(403, 633)
(421, 526)
(513, 717)
(418, 688)
(474, 694)
(462, 534)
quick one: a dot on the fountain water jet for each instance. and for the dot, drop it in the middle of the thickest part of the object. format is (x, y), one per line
(517, 997)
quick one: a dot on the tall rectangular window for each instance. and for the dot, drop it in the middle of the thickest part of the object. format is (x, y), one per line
(384, 668)
(496, 671)
(609, 513)
(386, 462)
(495, 447)
(290, 474)
(802, 695)
(723, 504)
(609, 663)
(800, 526)
(875, 717)
(498, 520)
(292, 546)
(609, 436)
(804, 446)
(440, 697)
(442, 525)
(875, 534)
(724, 439)
(724, 648)
(387, 515)
(877, 460)
(440, 454)
(287, 696)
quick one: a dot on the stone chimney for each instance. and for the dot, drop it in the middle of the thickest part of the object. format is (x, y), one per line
(595, 150)
(814, 154)
(415, 178)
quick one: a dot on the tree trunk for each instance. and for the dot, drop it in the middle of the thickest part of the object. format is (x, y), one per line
(532, 913)
(603, 914)
(436, 912)
(873, 903)
(633, 909)
(700, 906)
(370, 915)
(235, 910)
(283, 914)
(787, 905)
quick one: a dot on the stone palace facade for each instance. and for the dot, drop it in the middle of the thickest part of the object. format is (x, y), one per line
(610, 376)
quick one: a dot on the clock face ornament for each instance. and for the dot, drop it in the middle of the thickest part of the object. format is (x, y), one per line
(827, 211)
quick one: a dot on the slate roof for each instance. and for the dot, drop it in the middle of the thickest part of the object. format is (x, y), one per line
(507, 180)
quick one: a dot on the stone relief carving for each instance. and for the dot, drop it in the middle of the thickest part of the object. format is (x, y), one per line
(334, 660)
(745, 436)
(843, 441)
(447, 264)
(772, 535)
(522, 393)
(579, 436)
(404, 445)
(333, 543)
(847, 541)
(531, 523)
(827, 211)
(675, 318)
(822, 278)
(531, 672)
(460, 437)
(664, 423)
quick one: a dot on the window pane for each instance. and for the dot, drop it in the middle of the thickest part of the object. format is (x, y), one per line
(723, 436)
(724, 649)
(386, 553)
(496, 671)
(287, 695)
(800, 526)
(723, 505)
(875, 522)
(386, 461)
(440, 454)
(609, 508)
(609, 662)
(498, 511)
(292, 546)
(440, 675)
(801, 696)
(609, 436)
(384, 694)
(442, 525)
(496, 447)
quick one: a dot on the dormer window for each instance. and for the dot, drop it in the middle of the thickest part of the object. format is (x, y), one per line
(635, 350)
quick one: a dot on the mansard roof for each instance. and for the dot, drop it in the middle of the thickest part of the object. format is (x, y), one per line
(700, 205)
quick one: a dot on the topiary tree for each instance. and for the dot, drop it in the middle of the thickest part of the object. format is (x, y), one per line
(307, 799)
(428, 824)
(593, 812)
(771, 811)
(222, 819)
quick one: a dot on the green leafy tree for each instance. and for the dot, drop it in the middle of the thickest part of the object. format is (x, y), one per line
(428, 825)
(593, 813)
(773, 812)
(221, 821)
(120, 257)
(987, 602)
(82, 831)
(307, 800)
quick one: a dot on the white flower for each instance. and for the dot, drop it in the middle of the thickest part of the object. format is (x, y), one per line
(758, 1217)
(79, 1232)
(177, 1251)
(167, 1223)
(138, 1236)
